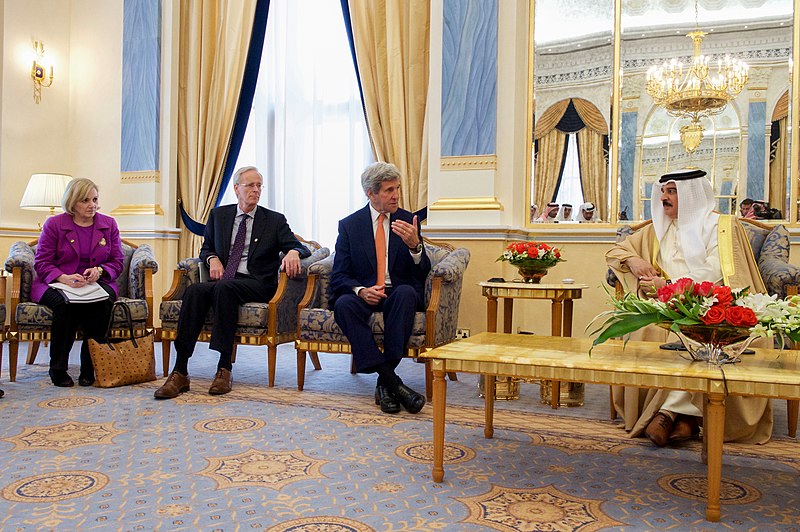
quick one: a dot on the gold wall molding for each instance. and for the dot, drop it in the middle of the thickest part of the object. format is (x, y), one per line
(475, 203)
(148, 176)
(469, 162)
(152, 209)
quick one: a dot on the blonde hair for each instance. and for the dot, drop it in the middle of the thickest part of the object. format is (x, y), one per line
(77, 189)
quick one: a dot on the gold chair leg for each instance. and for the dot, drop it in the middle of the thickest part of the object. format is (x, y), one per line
(452, 375)
(792, 410)
(428, 382)
(272, 355)
(301, 369)
(13, 352)
(165, 356)
(352, 365)
(314, 356)
(233, 354)
(32, 351)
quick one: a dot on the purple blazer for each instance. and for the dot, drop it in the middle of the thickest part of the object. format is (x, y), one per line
(58, 253)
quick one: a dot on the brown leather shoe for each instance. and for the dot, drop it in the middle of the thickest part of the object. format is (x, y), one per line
(684, 428)
(176, 384)
(659, 429)
(223, 382)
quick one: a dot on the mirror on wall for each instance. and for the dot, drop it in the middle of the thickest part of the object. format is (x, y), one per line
(572, 76)
(744, 147)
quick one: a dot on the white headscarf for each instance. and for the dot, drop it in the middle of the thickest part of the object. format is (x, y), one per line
(562, 216)
(586, 207)
(696, 222)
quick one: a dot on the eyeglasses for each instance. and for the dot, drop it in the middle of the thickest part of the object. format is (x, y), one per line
(258, 186)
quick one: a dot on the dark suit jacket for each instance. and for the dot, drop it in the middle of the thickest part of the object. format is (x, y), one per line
(270, 236)
(355, 263)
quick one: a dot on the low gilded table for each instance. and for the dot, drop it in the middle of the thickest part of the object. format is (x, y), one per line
(768, 373)
(561, 296)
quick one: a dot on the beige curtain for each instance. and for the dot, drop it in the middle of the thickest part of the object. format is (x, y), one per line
(778, 155)
(392, 47)
(594, 169)
(590, 115)
(548, 165)
(777, 169)
(214, 38)
(549, 119)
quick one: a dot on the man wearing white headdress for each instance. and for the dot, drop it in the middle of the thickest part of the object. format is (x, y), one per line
(587, 214)
(686, 239)
(565, 213)
(549, 213)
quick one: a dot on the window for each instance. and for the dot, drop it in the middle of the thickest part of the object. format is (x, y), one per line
(307, 133)
(570, 189)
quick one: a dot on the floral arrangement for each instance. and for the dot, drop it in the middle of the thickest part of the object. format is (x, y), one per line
(685, 302)
(531, 255)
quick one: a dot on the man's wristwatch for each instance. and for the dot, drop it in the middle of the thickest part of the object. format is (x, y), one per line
(100, 270)
(417, 249)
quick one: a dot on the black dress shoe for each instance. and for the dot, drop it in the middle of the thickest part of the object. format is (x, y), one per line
(61, 378)
(83, 380)
(2, 393)
(386, 399)
(411, 400)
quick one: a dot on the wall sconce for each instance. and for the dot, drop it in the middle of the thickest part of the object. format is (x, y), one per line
(44, 193)
(38, 72)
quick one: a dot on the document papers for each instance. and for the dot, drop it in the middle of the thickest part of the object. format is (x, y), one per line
(89, 293)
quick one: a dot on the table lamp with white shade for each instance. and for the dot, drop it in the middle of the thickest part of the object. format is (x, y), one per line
(44, 192)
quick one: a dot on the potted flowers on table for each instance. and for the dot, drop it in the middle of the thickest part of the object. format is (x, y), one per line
(715, 323)
(532, 259)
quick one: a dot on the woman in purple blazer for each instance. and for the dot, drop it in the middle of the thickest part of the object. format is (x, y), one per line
(77, 248)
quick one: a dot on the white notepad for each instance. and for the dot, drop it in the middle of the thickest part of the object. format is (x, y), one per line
(89, 293)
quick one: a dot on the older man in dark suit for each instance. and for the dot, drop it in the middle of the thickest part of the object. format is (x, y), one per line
(380, 265)
(241, 248)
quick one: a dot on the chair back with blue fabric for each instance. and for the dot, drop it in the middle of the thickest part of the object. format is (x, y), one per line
(318, 331)
(30, 321)
(270, 324)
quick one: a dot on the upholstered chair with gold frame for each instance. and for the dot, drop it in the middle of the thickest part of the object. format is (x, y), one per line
(770, 245)
(318, 331)
(260, 324)
(30, 322)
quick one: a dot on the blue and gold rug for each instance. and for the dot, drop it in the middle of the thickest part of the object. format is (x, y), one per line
(326, 459)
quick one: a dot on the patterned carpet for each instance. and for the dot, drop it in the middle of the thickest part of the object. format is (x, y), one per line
(326, 459)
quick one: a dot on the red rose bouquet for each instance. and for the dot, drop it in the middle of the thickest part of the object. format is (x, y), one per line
(531, 255)
(686, 303)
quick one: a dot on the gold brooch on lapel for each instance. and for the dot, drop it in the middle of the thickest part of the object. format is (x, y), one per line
(71, 240)
(102, 242)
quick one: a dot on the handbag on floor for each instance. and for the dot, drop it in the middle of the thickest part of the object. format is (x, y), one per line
(122, 361)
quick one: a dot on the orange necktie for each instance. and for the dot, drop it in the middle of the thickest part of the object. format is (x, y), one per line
(380, 250)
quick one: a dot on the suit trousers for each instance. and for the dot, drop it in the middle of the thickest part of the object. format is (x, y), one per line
(91, 318)
(352, 314)
(224, 297)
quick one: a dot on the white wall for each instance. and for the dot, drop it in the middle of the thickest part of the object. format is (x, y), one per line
(33, 138)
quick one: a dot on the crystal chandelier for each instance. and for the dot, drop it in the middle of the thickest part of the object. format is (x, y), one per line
(697, 91)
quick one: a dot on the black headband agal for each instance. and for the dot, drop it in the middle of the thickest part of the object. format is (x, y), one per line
(682, 175)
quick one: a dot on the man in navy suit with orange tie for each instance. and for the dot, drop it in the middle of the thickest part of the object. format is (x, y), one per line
(241, 247)
(380, 265)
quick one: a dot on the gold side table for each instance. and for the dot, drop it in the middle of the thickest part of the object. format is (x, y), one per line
(561, 296)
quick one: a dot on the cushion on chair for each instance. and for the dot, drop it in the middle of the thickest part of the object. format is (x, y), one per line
(33, 316)
(318, 325)
(756, 235)
(773, 263)
(252, 317)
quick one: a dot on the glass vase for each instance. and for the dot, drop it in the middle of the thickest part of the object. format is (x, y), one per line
(715, 344)
(532, 275)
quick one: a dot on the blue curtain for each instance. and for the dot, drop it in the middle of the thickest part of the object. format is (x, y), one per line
(246, 95)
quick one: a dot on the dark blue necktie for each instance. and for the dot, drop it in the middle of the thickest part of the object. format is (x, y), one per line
(235, 256)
